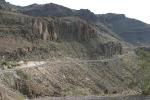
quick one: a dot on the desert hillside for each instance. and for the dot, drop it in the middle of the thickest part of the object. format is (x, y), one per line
(53, 51)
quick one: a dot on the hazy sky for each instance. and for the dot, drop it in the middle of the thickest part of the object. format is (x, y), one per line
(138, 9)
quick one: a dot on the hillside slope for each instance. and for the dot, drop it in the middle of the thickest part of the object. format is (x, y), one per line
(66, 38)
(74, 77)
(130, 30)
(80, 57)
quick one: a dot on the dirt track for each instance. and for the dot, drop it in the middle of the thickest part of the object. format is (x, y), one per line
(34, 64)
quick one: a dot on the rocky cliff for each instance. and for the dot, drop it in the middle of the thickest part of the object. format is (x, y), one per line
(70, 30)
(63, 28)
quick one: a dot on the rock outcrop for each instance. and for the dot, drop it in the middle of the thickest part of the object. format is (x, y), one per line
(63, 28)
(109, 49)
(86, 15)
(67, 28)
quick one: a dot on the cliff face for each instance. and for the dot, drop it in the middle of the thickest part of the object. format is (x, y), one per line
(45, 30)
(109, 49)
(67, 28)
(72, 30)
(63, 28)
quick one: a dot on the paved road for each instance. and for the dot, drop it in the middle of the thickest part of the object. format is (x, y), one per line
(134, 97)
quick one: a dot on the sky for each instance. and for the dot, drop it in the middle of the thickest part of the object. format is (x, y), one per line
(138, 9)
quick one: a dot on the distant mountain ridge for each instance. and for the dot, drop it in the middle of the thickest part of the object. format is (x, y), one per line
(52, 9)
(46, 10)
(130, 30)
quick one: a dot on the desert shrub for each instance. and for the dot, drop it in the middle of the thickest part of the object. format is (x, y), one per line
(22, 75)
(9, 64)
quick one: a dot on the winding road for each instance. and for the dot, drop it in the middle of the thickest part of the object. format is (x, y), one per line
(35, 64)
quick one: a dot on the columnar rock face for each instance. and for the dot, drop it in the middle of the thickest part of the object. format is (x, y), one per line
(109, 49)
(46, 30)
(60, 28)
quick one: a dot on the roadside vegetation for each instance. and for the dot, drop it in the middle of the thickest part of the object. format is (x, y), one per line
(8, 64)
(144, 62)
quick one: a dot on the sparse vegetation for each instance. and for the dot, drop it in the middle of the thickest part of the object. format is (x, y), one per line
(23, 75)
(8, 64)
(144, 62)
(69, 40)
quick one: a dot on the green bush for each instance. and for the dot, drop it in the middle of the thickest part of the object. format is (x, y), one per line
(145, 87)
(9, 64)
(22, 75)
(144, 63)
